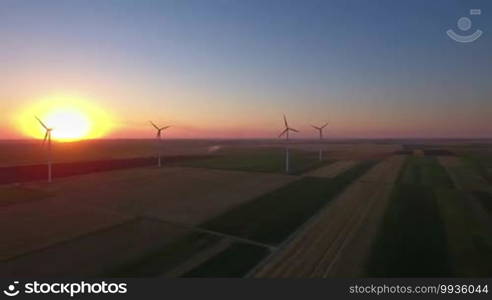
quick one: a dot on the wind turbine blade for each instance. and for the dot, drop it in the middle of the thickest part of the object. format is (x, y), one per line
(316, 127)
(283, 132)
(285, 122)
(324, 125)
(155, 126)
(292, 129)
(165, 127)
(45, 137)
(41, 122)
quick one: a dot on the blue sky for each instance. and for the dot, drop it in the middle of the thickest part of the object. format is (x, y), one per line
(375, 68)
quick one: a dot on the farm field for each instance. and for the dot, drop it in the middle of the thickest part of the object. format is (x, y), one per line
(183, 195)
(262, 159)
(421, 216)
(469, 238)
(95, 203)
(318, 251)
(81, 256)
(434, 226)
(381, 209)
(332, 170)
(411, 243)
(463, 174)
(31, 152)
(38, 172)
(235, 261)
(30, 225)
(351, 149)
(425, 171)
(293, 204)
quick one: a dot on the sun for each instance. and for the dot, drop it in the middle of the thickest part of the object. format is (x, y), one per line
(68, 124)
(71, 119)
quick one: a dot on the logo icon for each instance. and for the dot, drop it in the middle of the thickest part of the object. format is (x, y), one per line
(464, 24)
(11, 291)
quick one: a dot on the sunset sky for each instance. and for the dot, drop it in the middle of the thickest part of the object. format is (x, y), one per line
(231, 68)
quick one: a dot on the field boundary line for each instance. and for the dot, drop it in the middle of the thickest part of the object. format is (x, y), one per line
(215, 233)
(238, 171)
(376, 181)
(197, 259)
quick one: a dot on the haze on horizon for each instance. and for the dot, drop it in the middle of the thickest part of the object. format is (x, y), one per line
(230, 68)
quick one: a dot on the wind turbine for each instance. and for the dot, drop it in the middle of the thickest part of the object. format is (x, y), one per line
(320, 129)
(159, 139)
(286, 134)
(47, 138)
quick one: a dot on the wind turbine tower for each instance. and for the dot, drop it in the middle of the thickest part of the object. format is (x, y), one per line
(286, 134)
(159, 141)
(47, 139)
(320, 129)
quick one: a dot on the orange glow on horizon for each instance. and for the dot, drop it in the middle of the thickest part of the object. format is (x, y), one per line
(72, 119)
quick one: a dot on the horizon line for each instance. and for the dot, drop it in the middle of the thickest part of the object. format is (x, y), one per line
(262, 138)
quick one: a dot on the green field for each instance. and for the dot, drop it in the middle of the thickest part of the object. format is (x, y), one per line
(412, 239)
(477, 156)
(425, 171)
(167, 258)
(468, 178)
(234, 261)
(430, 228)
(469, 241)
(485, 200)
(15, 195)
(268, 219)
(481, 162)
(259, 160)
(273, 217)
